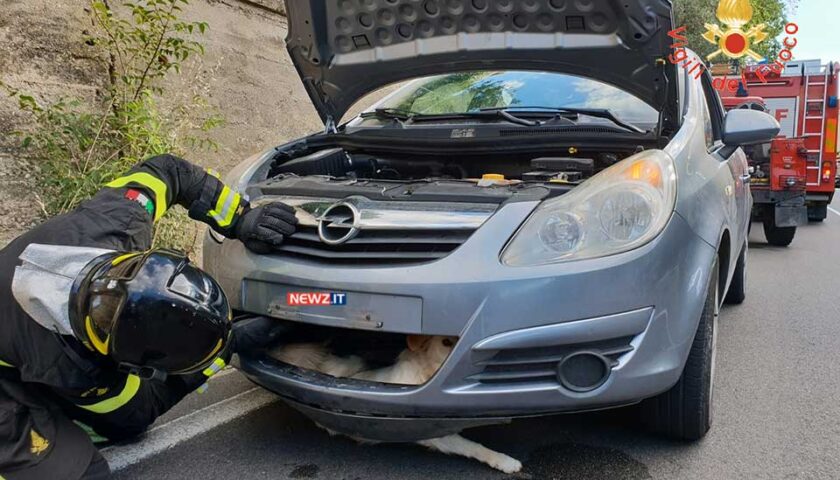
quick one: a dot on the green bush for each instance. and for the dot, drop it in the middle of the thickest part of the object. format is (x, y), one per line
(77, 147)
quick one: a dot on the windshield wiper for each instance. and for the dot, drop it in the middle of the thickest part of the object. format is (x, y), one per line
(389, 114)
(499, 113)
(413, 117)
(589, 112)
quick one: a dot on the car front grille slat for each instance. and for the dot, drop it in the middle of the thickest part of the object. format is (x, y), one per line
(371, 246)
(522, 361)
(310, 235)
(504, 377)
(370, 255)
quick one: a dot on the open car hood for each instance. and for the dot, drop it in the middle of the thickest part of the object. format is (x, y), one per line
(344, 49)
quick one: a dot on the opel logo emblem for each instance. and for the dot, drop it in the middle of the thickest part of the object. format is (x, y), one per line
(339, 224)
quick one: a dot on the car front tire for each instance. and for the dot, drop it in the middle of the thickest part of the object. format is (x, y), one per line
(738, 287)
(685, 411)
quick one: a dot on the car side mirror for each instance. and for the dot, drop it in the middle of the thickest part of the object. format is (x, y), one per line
(747, 127)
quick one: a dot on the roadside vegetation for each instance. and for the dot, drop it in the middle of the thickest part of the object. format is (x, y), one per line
(75, 147)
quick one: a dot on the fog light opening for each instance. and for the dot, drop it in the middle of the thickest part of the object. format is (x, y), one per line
(583, 371)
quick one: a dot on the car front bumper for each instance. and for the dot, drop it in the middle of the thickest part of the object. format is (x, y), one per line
(649, 299)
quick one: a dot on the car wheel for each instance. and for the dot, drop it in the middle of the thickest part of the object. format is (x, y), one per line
(778, 236)
(738, 287)
(685, 411)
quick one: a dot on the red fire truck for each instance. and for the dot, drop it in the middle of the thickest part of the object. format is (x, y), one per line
(779, 172)
(803, 97)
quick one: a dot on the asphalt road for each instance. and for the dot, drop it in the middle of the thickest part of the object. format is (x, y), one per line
(777, 407)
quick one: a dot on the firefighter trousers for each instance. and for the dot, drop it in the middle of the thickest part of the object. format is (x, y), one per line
(38, 441)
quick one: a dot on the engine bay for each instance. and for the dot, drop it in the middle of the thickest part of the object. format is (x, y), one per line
(569, 167)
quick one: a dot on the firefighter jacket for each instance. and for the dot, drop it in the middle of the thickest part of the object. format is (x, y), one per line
(60, 368)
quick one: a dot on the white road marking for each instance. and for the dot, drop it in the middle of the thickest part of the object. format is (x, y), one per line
(179, 430)
(833, 211)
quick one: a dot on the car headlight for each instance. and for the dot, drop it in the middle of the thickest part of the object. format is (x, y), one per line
(620, 209)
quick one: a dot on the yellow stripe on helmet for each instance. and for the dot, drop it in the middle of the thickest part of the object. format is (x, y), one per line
(132, 385)
(151, 182)
(123, 258)
(100, 345)
(213, 352)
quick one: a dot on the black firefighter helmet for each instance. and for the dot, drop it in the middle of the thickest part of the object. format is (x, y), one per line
(153, 313)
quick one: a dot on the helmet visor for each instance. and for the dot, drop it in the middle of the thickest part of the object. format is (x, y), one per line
(105, 297)
(103, 310)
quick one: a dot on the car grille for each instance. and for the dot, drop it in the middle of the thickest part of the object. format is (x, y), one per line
(392, 246)
(539, 365)
(360, 231)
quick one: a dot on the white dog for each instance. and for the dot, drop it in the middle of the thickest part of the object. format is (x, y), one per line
(414, 366)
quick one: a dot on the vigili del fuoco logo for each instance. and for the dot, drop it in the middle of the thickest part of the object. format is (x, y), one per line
(734, 42)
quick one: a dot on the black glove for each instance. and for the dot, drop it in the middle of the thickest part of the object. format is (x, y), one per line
(255, 333)
(263, 229)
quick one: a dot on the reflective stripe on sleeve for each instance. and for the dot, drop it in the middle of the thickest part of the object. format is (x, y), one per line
(226, 206)
(132, 385)
(151, 182)
(4, 364)
(217, 365)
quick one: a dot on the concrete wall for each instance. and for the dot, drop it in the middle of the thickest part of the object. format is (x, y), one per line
(246, 70)
(40, 52)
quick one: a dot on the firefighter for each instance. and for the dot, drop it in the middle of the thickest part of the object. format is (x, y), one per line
(99, 335)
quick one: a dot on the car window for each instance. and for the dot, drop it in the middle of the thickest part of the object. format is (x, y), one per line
(714, 111)
(708, 128)
(472, 91)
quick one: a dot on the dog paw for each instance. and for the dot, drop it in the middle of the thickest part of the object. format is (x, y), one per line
(508, 465)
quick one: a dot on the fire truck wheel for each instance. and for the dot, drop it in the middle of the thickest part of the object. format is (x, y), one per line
(685, 411)
(778, 236)
(738, 286)
(817, 213)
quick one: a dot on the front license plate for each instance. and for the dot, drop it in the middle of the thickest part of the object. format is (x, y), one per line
(334, 308)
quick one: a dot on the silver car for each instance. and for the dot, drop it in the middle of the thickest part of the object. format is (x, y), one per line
(548, 188)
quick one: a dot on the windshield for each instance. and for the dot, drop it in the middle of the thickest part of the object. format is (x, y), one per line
(456, 93)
